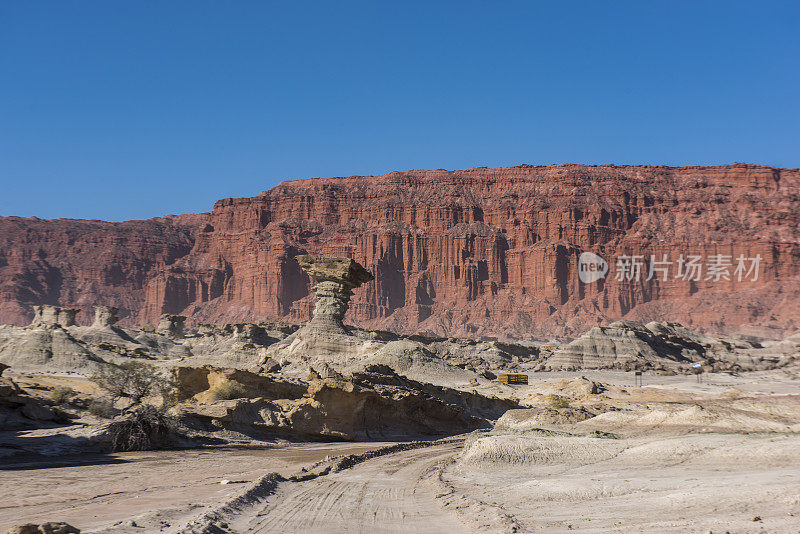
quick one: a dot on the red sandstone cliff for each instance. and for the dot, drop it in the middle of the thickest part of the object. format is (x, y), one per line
(476, 251)
(82, 263)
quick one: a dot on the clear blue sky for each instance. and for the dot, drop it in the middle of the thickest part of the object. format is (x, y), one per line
(133, 109)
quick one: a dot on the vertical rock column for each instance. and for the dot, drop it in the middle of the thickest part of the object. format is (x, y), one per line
(336, 278)
(105, 316)
(333, 300)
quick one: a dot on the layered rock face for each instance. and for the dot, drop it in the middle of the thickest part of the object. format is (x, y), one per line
(470, 252)
(495, 251)
(630, 345)
(80, 263)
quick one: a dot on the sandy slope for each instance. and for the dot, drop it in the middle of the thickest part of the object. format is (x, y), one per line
(696, 483)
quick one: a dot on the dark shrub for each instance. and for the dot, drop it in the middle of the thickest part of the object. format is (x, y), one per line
(144, 428)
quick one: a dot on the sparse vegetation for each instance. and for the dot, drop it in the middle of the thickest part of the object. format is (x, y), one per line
(227, 390)
(62, 394)
(135, 381)
(603, 435)
(558, 402)
(144, 428)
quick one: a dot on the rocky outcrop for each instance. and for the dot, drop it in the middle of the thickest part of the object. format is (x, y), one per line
(325, 340)
(623, 344)
(50, 347)
(105, 316)
(21, 411)
(336, 278)
(630, 345)
(471, 252)
(46, 348)
(171, 325)
(47, 315)
(376, 404)
(44, 528)
(206, 384)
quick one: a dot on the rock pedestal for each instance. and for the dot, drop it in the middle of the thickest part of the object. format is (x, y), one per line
(336, 278)
(105, 316)
(332, 303)
(53, 316)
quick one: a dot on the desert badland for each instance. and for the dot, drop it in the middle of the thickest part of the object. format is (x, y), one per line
(413, 352)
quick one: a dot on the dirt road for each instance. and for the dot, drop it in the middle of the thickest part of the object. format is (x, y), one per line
(392, 493)
(153, 489)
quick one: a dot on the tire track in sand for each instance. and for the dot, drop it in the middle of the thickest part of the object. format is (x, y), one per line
(388, 494)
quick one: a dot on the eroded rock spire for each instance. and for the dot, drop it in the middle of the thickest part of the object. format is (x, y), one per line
(336, 278)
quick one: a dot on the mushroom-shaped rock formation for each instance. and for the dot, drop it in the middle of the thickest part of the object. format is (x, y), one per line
(53, 316)
(336, 278)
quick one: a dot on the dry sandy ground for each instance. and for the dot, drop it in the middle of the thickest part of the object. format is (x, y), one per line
(685, 457)
(765, 383)
(392, 493)
(178, 484)
(696, 483)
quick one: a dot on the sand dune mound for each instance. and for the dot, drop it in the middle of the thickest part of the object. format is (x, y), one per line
(536, 450)
(517, 451)
(708, 450)
(309, 348)
(694, 418)
(532, 418)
